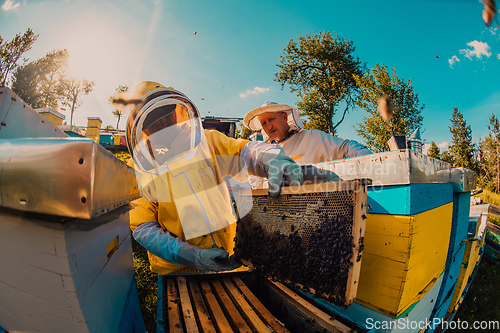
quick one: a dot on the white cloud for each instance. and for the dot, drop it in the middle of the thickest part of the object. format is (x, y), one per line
(255, 91)
(425, 148)
(8, 5)
(453, 60)
(478, 50)
(443, 145)
(498, 56)
(493, 31)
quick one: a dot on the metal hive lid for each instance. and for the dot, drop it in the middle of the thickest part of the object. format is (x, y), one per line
(68, 177)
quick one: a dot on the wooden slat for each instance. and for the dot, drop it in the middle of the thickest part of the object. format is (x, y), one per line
(234, 315)
(259, 307)
(257, 323)
(172, 308)
(219, 317)
(187, 309)
(309, 309)
(358, 232)
(201, 310)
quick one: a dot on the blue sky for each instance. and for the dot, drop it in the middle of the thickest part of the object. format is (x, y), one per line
(227, 68)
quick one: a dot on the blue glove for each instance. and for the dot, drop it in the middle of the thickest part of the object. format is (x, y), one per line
(172, 249)
(313, 175)
(215, 259)
(280, 169)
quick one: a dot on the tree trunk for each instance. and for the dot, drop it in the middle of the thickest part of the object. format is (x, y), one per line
(75, 96)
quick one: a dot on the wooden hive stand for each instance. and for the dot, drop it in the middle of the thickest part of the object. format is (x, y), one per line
(225, 303)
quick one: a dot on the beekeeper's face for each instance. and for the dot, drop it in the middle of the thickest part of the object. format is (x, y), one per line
(275, 125)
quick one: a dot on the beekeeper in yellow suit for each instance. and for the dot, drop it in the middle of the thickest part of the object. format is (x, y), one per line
(185, 218)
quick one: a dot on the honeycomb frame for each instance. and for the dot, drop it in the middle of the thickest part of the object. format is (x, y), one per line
(310, 237)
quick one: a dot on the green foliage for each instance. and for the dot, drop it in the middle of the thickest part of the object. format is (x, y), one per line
(147, 285)
(482, 302)
(447, 157)
(39, 83)
(494, 219)
(46, 82)
(407, 107)
(73, 89)
(119, 110)
(490, 197)
(434, 151)
(320, 68)
(462, 148)
(244, 133)
(11, 52)
(488, 165)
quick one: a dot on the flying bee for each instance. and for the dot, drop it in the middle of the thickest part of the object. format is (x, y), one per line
(385, 108)
(489, 12)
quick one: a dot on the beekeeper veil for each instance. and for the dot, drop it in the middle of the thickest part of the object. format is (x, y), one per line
(173, 161)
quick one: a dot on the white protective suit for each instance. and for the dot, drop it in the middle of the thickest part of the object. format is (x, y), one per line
(305, 146)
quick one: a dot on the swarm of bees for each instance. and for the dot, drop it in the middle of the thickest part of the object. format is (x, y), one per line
(320, 264)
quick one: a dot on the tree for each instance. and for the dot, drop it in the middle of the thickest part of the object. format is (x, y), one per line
(462, 148)
(119, 109)
(11, 52)
(243, 133)
(447, 157)
(40, 82)
(321, 70)
(73, 89)
(407, 107)
(434, 151)
(489, 162)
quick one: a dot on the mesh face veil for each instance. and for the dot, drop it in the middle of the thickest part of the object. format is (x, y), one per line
(163, 128)
(173, 161)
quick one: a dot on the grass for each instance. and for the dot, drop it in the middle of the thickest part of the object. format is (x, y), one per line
(482, 302)
(147, 285)
(490, 197)
(493, 198)
(147, 281)
(494, 219)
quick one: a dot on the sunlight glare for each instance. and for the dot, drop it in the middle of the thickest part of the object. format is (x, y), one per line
(91, 56)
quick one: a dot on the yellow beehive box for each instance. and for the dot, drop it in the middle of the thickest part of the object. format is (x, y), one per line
(404, 256)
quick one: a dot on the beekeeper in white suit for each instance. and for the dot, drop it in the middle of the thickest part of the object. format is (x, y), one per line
(185, 218)
(281, 124)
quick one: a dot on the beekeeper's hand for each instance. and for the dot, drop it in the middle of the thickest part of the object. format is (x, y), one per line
(314, 175)
(215, 259)
(172, 249)
(280, 169)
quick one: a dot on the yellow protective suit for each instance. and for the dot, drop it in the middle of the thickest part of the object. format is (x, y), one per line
(166, 215)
